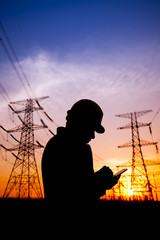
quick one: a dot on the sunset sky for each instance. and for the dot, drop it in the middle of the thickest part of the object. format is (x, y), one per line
(107, 51)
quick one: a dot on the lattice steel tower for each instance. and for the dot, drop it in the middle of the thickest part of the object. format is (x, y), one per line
(24, 178)
(139, 175)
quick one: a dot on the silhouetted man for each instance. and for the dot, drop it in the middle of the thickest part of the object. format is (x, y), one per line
(67, 164)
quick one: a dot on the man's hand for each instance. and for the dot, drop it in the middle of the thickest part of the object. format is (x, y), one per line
(112, 182)
(107, 180)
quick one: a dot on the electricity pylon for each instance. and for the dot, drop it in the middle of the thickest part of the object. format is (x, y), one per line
(138, 162)
(24, 178)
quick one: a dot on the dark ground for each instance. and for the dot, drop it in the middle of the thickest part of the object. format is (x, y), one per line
(104, 206)
(119, 218)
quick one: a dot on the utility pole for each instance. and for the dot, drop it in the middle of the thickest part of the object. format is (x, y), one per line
(24, 177)
(138, 162)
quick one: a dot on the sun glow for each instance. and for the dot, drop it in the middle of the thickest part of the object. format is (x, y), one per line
(124, 191)
(129, 191)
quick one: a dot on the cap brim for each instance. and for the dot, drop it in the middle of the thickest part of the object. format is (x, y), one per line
(100, 129)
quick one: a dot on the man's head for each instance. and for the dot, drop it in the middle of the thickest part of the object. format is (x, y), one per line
(85, 118)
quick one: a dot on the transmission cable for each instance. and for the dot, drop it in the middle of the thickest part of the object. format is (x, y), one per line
(13, 65)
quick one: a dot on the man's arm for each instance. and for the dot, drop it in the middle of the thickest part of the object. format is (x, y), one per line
(104, 180)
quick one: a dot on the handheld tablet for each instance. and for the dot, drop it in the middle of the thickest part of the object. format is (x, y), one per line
(120, 172)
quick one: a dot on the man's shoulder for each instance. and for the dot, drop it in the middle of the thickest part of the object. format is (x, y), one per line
(63, 140)
(59, 136)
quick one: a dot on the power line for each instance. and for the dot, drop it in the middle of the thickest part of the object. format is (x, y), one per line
(16, 57)
(13, 65)
(155, 115)
(24, 76)
(4, 94)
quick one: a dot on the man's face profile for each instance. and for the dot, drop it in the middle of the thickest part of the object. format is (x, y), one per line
(84, 119)
(85, 133)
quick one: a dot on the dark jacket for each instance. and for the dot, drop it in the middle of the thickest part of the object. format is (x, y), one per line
(67, 171)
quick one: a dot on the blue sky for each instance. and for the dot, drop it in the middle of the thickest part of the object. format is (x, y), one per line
(104, 50)
(67, 26)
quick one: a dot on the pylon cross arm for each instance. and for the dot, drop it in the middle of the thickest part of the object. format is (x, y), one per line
(128, 144)
(147, 143)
